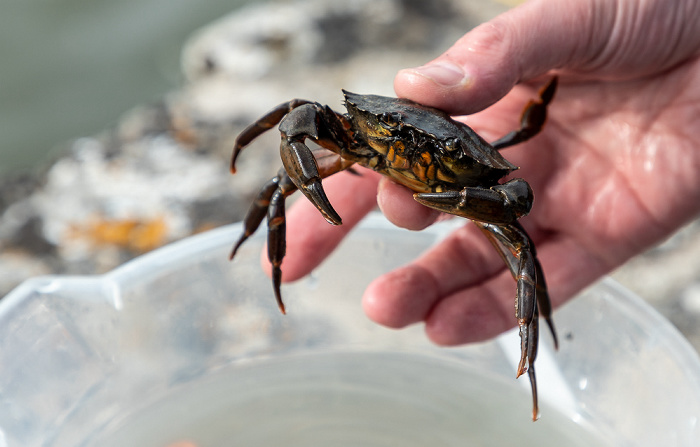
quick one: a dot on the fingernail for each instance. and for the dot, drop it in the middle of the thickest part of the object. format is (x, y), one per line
(443, 73)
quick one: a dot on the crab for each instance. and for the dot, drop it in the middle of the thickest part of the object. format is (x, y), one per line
(447, 164)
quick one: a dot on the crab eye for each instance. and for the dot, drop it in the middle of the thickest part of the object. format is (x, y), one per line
(453, 144)
(391, 119)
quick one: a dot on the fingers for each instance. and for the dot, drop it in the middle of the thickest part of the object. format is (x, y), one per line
(310, 238)
(520, 44)
(464, 259)
(462, 291)
(473, 314)
(397, 204)
(615, 39)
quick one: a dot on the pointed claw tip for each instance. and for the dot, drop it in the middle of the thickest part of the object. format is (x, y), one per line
(328, 213)
(236, 247)
(278, 298)
(334, 222)
(233, 160)
(553, 331)
(281, 307)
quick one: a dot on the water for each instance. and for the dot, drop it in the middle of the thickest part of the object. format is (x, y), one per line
(348, 399)
(70, 68)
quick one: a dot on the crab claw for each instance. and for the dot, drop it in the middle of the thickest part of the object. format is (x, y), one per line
(500, 204)
(302, 169)
(481, 204)
(315, 193)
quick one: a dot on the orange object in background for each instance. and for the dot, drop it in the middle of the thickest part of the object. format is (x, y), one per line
(136, 235)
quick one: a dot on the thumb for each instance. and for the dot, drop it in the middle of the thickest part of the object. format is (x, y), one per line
(520, 44)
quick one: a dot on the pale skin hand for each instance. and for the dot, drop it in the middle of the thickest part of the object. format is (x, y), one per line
(616, 170)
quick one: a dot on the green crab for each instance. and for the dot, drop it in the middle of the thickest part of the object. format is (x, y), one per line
(448, 166)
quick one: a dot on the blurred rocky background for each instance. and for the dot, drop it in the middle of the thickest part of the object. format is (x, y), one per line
(161, 173)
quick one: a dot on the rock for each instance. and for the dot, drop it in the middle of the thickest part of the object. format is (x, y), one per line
(262, 39)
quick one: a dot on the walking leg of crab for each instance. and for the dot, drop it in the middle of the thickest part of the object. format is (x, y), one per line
(532, 355)
(263, 124)
(501, 240)
(515, 247)
(271, 203)
(501, 204)
(544, 304)
(532, 120)
(276, 221)
(277, 241)
(256, 213)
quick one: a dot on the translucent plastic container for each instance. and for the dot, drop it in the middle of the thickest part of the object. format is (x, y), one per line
(181, 344)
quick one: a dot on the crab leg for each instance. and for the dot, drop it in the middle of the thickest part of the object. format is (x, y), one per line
(533, 330)
(270, 202)
(265, 123)
(532, 120)
(277, 240)
(257, 212)
(500, 241)
(526, 276)
(518, 252)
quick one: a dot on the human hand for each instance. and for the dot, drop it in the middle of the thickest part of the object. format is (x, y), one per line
(614, 171)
